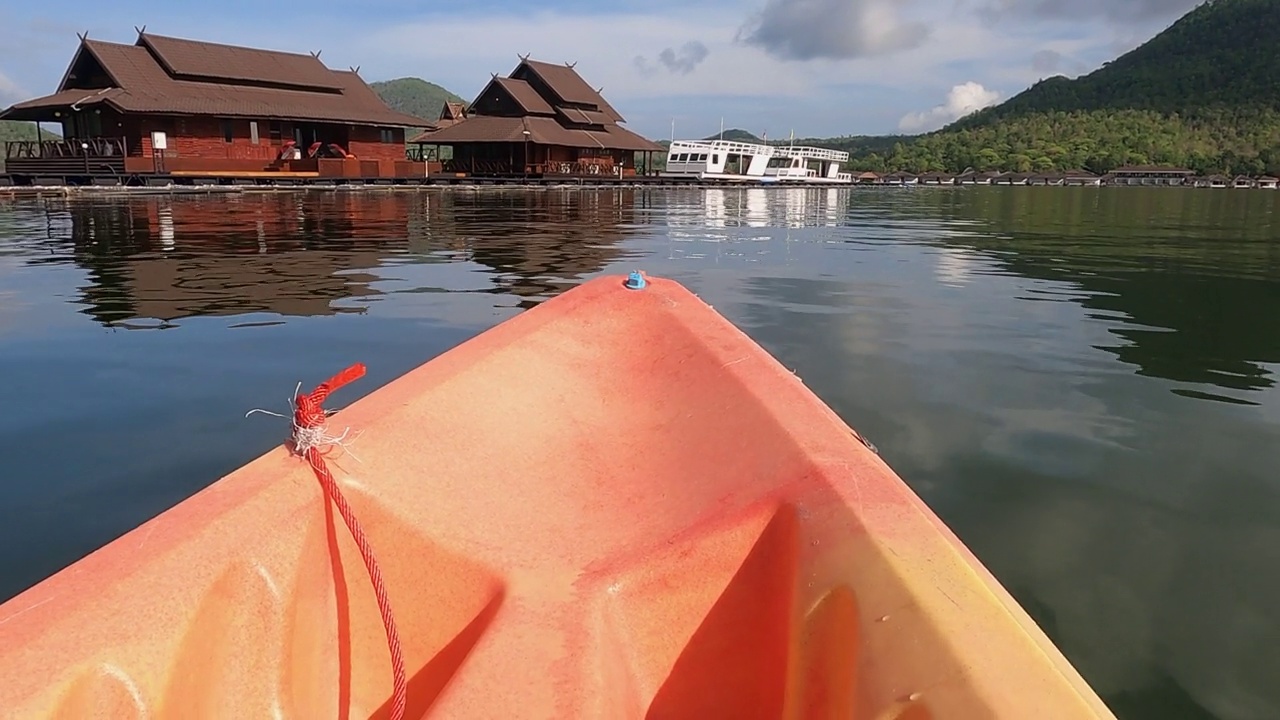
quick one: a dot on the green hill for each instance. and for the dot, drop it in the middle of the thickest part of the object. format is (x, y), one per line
(12, 130)
(1203, 94)
(414, 96)
(735, 135)
(1220, 55)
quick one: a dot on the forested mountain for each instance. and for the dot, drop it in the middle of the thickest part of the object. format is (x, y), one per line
(1221, 55)
(414, 96)
(1204, 94)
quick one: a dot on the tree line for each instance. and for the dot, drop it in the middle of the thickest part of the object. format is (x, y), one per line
(1225, 140)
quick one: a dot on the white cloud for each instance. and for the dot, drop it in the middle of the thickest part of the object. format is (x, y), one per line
(839, 29)
(961, 100)
(606, 57)
(683, 61)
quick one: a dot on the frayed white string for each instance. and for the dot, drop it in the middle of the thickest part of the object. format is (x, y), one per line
(308, 438)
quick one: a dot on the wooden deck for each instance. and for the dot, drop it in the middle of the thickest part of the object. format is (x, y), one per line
(247, 174)
(303, 181)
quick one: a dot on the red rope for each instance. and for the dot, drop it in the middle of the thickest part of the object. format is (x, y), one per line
(310, 414)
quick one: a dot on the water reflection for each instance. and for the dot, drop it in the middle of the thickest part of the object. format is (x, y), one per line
(1174, 292)
(1181, 277)
(154, 260)
(757, 207)
(1081, 382)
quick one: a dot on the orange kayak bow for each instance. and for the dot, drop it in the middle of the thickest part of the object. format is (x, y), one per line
(615, 505)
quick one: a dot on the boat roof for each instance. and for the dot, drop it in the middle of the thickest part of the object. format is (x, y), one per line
(816, 153)
(791, 151)
(732, 146)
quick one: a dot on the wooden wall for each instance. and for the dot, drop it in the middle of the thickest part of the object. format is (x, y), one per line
(203, 137)
(366, 143)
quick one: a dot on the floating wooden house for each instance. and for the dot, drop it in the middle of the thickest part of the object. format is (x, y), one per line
(169, 107)
(541, 120)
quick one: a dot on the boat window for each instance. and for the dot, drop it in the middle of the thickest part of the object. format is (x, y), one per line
(715, 159)
(702, 157)
(682, 157)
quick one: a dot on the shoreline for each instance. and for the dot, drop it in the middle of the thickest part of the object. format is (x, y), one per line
(13, 191)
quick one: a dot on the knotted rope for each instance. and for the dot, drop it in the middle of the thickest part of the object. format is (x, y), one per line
(309, 440)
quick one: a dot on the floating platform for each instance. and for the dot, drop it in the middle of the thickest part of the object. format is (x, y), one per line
(187, 178)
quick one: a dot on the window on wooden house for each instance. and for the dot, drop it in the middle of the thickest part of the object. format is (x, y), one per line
(275, 131)
(253, 131)
(388, 135)
(226, 130)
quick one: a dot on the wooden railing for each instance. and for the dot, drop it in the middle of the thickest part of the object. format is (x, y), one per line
(588, 168)
(75, 157)
(581, 168)
(93, 148)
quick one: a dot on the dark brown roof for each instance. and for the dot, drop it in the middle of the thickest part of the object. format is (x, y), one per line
(64, 98)
(558, 107)
(567, 84)
(583, 117)
(142, 84)
(542, 130)
(211, 61)
(453, 111)
(525, 96)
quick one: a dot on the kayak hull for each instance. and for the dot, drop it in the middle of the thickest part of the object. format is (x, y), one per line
(613, 505)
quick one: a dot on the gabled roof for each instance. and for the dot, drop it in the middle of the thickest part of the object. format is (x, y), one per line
(194, 59)
(525, 96)
(567, 84)
(218, 80)
(557, 107)
(542, 130)
(453, 111)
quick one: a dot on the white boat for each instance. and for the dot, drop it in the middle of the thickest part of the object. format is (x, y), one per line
(732, 161)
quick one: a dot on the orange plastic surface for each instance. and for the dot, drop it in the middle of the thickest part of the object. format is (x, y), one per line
(615, 505)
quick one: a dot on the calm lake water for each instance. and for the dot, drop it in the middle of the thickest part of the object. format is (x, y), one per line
(1081, 382)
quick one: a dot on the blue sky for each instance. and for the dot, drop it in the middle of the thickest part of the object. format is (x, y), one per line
(818, 67)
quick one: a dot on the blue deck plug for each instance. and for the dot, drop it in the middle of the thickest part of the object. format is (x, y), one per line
(635, 281)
